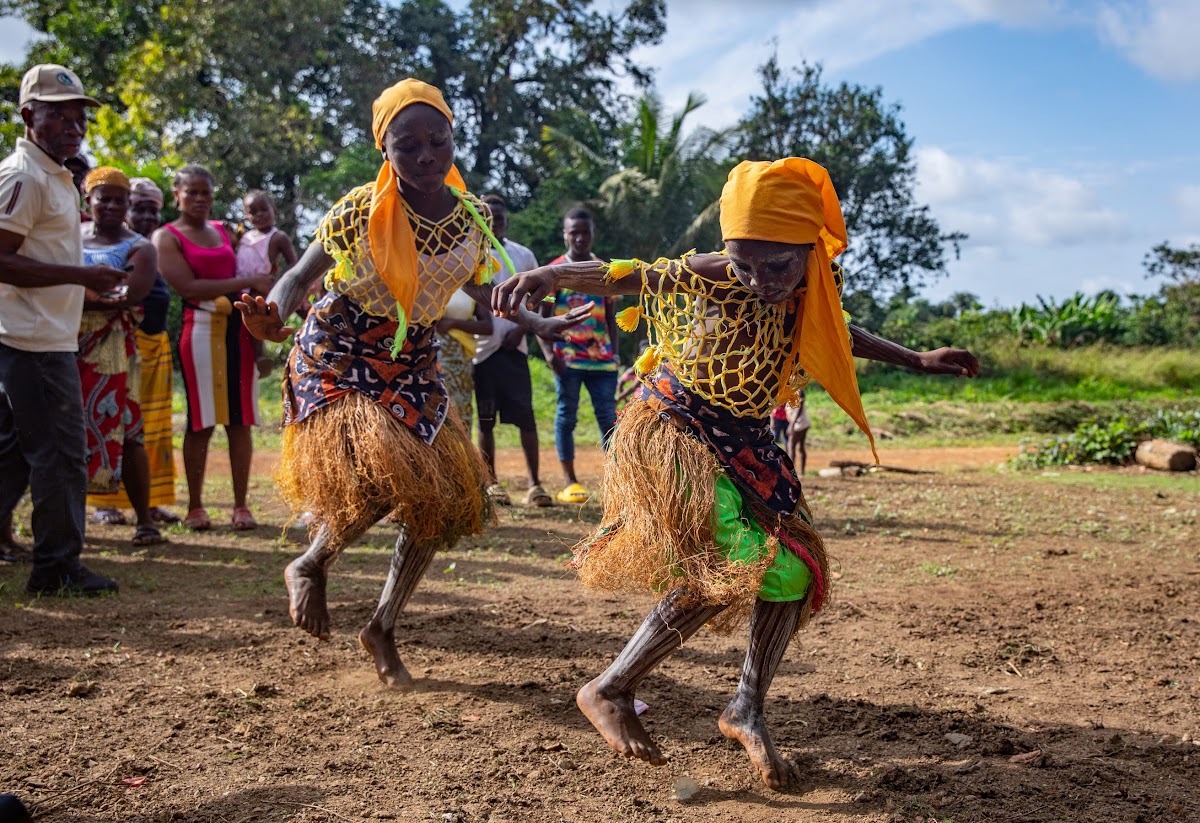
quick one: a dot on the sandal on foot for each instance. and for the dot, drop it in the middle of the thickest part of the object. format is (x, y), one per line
(147, 535)
(161, 515)
(498, 495)
(574, 493)
(197, 520)
(537, 496)
(15, 553)
(243, 520)
(108, 517)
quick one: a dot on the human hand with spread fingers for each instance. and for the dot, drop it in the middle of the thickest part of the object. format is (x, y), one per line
(262, 319)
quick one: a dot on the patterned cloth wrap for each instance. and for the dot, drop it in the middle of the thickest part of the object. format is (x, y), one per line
(110, 377)
(342, 349)
(758, 468)
(743, 446)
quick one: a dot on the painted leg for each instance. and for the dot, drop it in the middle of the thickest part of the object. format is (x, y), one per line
(307, 574)
(409, 563)
(771, 629)
(607, 701)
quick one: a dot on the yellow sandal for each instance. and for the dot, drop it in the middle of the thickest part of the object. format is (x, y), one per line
(574, 493)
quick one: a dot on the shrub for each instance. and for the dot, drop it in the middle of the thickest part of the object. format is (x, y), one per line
(1113, 441)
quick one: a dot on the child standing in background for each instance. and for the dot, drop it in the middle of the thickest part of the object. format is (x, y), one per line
(798, 425)
(259, 250)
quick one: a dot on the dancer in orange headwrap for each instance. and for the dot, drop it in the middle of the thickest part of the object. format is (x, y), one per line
(369, 430)
(700, 505)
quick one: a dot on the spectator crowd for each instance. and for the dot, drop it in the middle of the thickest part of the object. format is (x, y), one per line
(86, 360)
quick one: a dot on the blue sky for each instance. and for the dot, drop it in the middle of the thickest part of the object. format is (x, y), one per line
(1063, 137)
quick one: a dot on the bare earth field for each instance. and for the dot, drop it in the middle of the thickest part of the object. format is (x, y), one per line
(1000, 647)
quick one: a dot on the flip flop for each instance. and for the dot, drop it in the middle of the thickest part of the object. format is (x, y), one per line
(498, 495)
(161, 515)
(108, 517)
(574, 493)
(243, 520)
(147, 536)
(197, 520)
(539, 497)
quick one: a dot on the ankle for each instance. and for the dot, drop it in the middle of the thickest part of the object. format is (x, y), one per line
(376, 629)
(743, 707)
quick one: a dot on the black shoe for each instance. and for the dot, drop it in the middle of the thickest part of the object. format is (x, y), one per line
(77, 581)
(12, 810)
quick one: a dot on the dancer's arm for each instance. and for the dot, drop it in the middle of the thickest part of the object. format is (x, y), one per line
(546, 328)
(958, 362)
(263, 316)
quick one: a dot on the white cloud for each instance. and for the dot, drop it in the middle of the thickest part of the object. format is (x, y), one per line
(709, 49)
(1092, 285)
(1160, 36)
(1005, 203)
(1187, 201)
(843, 34)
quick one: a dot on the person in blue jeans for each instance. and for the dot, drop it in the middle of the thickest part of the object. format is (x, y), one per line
(587, 357)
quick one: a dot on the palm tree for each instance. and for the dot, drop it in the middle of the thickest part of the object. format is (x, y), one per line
(661, 196)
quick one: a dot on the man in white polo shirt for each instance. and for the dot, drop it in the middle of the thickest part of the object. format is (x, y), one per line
(42, 283)
(502, 384)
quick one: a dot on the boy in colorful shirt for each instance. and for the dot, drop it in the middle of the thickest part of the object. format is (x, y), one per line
(586, 358)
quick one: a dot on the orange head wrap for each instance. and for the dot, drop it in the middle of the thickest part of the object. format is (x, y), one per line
(393, 245)
(105, 176)
(792, 201)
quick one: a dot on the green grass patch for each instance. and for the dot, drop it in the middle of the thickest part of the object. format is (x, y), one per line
(1022, 390)
(1188, 482)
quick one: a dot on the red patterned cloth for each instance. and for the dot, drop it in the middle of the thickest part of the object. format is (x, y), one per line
(342, 349)
(112, 415)
(743, 446)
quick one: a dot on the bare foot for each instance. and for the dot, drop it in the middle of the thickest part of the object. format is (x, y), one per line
(388, 665)
(615, 718)
(749, 727)
(306, 597)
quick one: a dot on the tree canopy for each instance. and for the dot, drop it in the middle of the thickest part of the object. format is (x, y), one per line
(551, 110)
(895, 243)
(268, 93)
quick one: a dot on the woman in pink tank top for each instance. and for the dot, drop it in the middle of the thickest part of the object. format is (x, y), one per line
(216, 352)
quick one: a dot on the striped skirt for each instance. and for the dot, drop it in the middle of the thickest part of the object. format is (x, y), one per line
(219, 374)
(155, 351)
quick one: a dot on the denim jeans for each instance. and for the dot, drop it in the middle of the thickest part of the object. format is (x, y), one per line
(42, 448)
(602, 388)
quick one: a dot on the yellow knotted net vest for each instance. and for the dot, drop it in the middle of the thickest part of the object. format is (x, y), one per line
(450, 253)
(724, 343)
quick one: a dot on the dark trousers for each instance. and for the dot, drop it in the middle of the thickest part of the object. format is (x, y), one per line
(42, 448)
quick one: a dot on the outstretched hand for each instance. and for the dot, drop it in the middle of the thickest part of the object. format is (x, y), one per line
(957, 362)
(262, 319)
(528, 287)
(552, 328)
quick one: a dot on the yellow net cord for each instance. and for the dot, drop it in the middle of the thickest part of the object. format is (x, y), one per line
(450, 252)
(725, 344)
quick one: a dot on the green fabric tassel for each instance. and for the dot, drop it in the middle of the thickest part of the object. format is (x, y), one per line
(483, 224)
(401, 331)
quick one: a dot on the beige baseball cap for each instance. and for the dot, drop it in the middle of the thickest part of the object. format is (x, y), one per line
(53, 84)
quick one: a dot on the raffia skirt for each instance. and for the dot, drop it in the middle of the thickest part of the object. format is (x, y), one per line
(660, 529)
(352, 461)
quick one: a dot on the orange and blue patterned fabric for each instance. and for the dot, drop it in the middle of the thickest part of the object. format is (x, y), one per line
(341, 349)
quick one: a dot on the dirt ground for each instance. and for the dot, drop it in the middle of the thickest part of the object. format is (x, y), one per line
(1000, 647)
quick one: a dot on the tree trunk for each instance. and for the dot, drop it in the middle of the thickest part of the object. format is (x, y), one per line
(1166, 455)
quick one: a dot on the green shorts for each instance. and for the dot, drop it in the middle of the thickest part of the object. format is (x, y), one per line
(743, 539)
